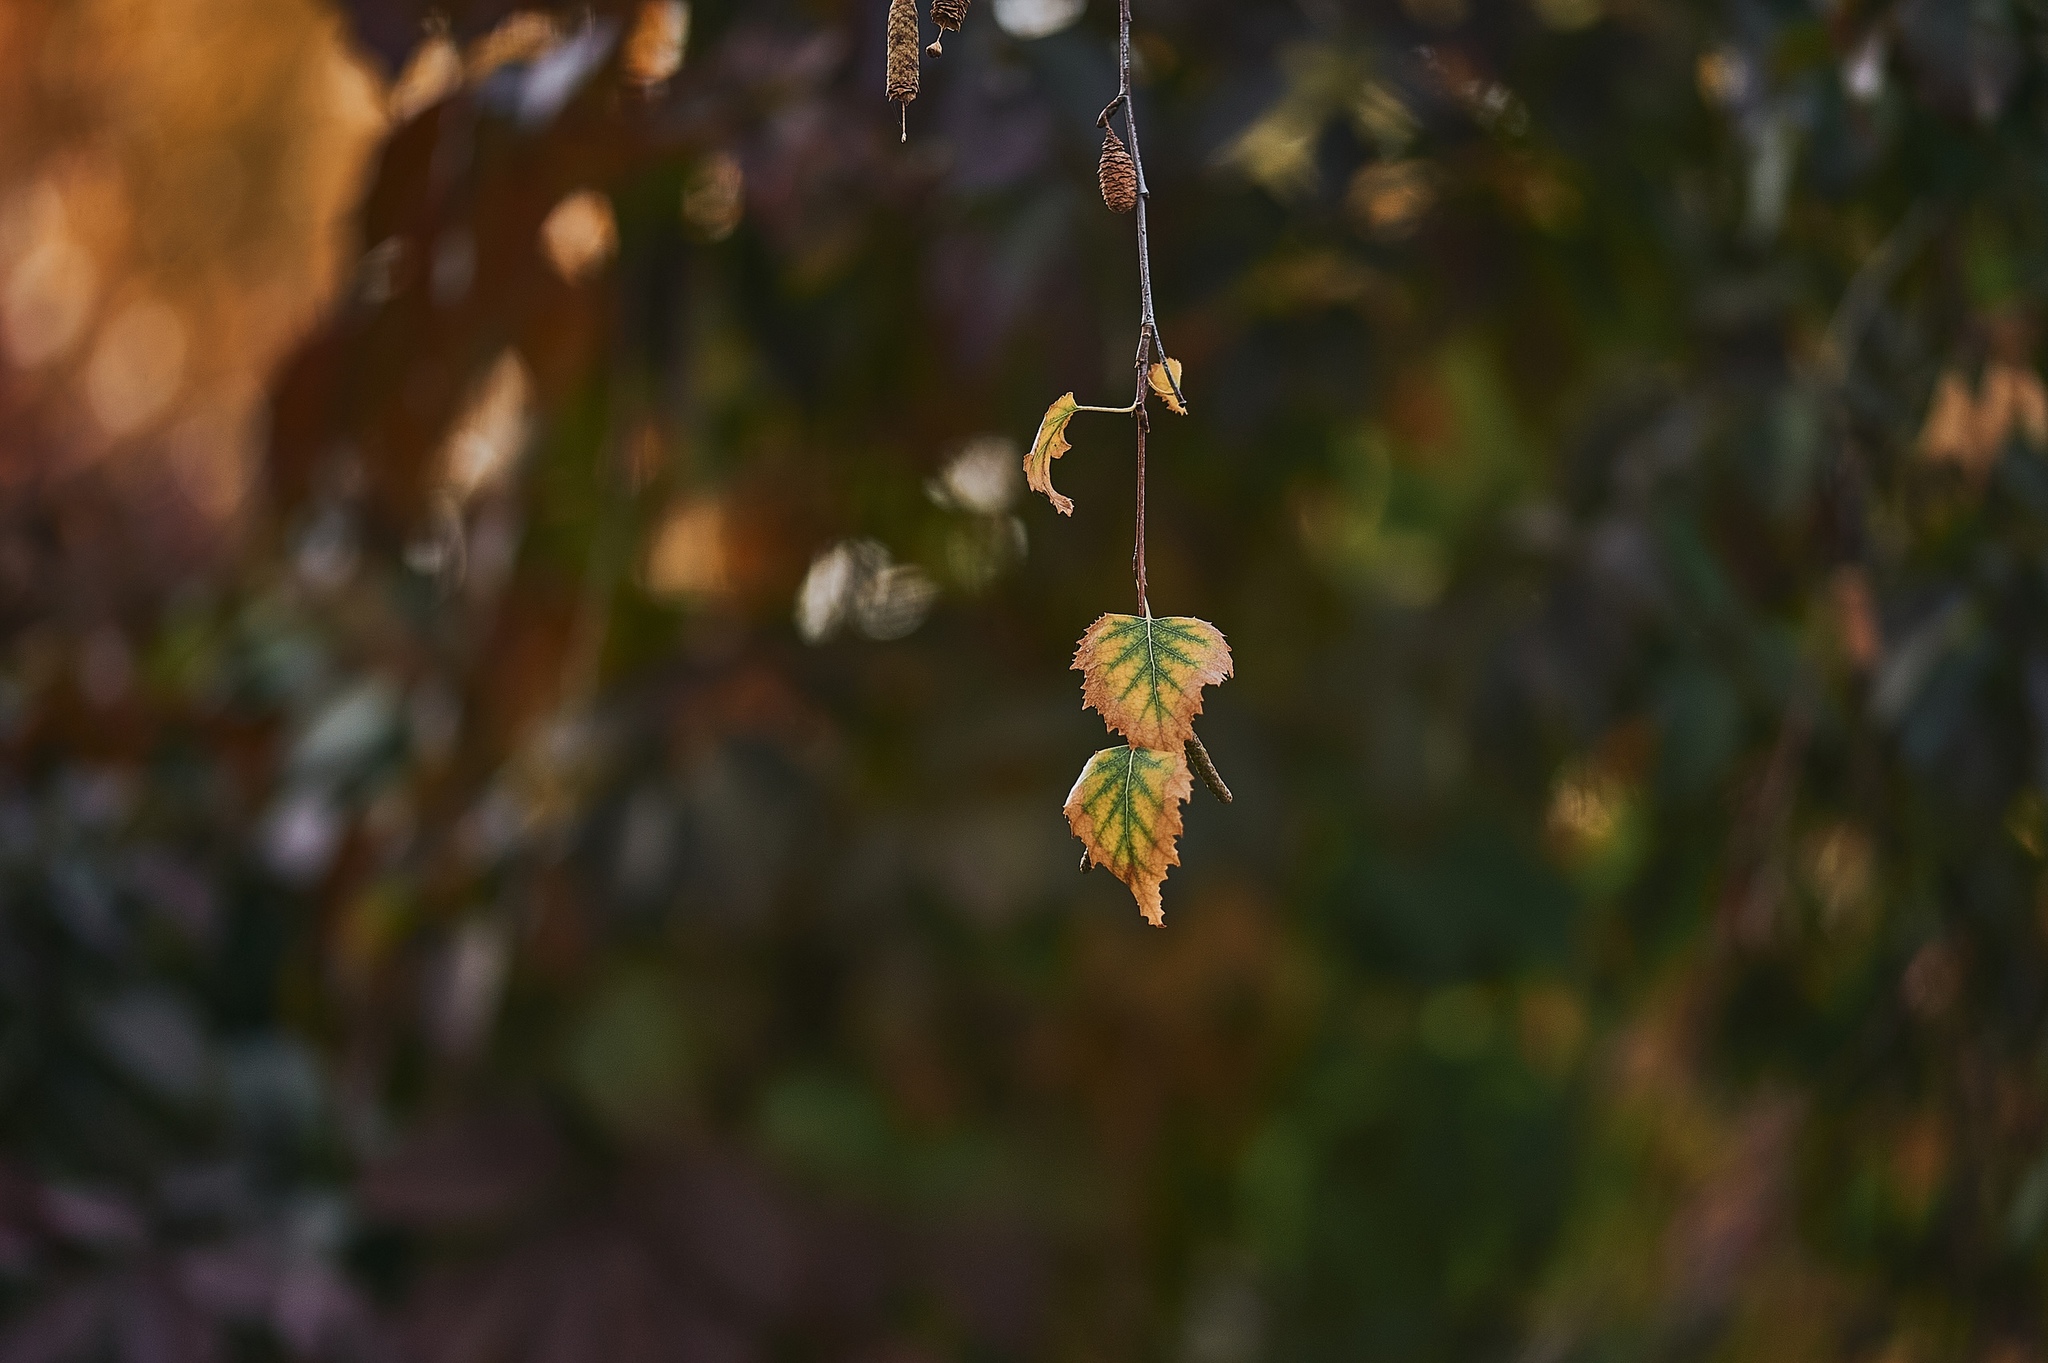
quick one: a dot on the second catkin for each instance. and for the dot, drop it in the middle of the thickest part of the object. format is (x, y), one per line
(1118, 174)
(948, 15)
(903, 56)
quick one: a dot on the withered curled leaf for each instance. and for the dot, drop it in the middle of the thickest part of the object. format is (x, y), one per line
(1049, 444)
(1165, 380)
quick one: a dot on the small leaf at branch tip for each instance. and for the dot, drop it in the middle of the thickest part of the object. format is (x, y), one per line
(1144, 675)
(1125, 809)
(1048, 445)
(1166, 383)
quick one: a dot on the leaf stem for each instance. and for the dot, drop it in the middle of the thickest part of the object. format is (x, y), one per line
(1138, 545)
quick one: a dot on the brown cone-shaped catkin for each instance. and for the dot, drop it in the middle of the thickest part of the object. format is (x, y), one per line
(949, 14)
(902, 86)
(1119, 175)
(1204, 766)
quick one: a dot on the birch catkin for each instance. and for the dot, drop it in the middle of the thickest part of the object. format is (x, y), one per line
(1204, 766)
(1118, 174)
(902, 85)
(948, 15)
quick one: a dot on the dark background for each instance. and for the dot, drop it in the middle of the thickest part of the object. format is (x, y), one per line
(530, 787)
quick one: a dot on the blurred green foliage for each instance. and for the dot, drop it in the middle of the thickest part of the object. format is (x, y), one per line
(613, 902)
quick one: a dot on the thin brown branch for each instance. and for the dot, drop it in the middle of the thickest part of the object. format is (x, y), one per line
(1148, 326)
(1138, 546)
(1149, 346)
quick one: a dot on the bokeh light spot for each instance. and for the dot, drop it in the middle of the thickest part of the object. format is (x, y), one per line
(136, 367)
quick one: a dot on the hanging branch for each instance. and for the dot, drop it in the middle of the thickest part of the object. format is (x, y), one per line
(1144, 674)
(1150, 349)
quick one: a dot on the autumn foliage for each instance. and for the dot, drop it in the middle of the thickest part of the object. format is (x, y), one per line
(540, 712)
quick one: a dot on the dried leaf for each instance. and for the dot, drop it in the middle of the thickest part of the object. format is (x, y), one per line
(1166, 383)
(1145, 676)
(1125, 809)
(1049, 444)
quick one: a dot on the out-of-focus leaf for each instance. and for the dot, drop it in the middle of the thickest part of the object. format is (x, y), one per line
(654, 47)
(431, 74)
(152, 1034)
(579, 234)
(524, 35)
(630, 1057)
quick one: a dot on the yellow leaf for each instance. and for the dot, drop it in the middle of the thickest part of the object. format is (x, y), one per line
(1166, 383)
(1145, 676)
(1125, 809)
(1049, 445)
